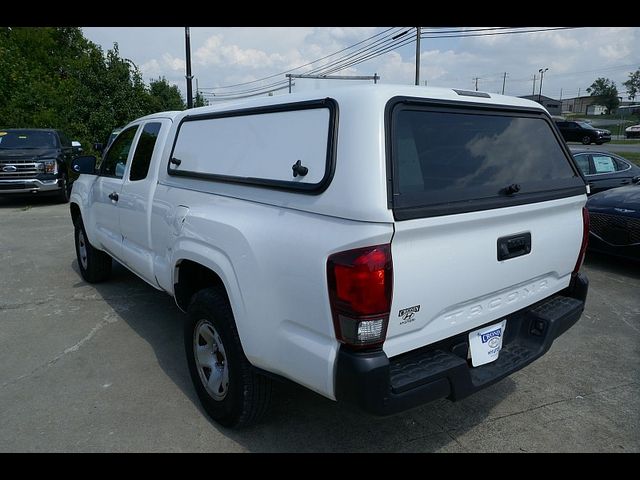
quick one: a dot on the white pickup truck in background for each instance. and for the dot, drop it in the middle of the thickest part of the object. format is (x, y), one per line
(381, 245)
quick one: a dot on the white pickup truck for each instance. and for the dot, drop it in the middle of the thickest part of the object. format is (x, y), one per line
(380, 245)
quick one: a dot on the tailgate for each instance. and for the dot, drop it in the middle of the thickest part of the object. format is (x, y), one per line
(488, 207)
(448, 279)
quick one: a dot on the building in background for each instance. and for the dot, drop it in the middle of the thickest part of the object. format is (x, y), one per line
(585, 105)
(552, 105)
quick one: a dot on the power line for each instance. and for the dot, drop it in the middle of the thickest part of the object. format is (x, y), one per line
(411, 40)
(365, 55)
(487, 34)
(306, 64)
(389, 37)
(323, 69)
(372, 55)
(379, 47)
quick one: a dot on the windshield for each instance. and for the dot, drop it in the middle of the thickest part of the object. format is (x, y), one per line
(11, 139)
(586, 125)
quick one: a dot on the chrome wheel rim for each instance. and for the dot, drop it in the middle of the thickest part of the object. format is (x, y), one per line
(82, 249)
(211, 360)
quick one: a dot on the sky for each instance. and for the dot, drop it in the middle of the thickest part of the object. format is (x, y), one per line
(225, 56)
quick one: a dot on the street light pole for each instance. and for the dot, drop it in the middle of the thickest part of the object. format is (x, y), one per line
(189, 77)
(541, 71)
(418, 55)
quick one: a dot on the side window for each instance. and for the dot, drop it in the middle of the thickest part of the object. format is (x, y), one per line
(115, 160)
(64, 140)
(144, 150)
(583, 163)
(260, 147)
(603, 164)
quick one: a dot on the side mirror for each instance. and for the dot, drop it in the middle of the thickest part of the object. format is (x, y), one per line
(98, 147)
(77, 146)
(84, 164)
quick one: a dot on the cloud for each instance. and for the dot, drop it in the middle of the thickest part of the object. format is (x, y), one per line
(228, 56)
(218, 53)
(174, 63)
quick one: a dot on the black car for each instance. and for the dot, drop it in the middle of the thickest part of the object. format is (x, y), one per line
(605, 170)
(36, 161)
(583, 132)
(615, 221)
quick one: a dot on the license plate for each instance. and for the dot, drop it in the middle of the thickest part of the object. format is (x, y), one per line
(485, 343)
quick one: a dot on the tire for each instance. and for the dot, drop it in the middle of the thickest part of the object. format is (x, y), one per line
(94, 264)
(230, 390)
(64, 193)
(586, 140)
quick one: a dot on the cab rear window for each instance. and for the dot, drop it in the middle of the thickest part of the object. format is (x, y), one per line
(457, 160)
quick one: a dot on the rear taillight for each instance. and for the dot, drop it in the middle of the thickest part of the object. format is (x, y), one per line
(360, 286)
(585, 240)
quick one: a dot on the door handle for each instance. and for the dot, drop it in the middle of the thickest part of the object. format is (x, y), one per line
(113, 196)
(514, 246)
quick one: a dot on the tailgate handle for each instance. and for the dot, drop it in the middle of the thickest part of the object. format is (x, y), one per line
(514, 246)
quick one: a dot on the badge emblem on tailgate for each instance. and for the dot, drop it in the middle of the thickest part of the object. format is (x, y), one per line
(408, 314)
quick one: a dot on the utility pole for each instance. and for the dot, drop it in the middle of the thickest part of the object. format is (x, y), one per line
(189, 77)
(541, 72)
(504, 80)
(418, 55)
(533, 92)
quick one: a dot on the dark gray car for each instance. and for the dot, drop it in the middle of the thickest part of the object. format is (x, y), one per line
(577, 131)
(605, 170)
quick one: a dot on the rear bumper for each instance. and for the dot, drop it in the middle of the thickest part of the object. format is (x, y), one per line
(384, 386)
(28, 186)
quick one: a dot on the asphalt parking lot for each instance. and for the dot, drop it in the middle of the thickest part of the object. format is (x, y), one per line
(101, 369)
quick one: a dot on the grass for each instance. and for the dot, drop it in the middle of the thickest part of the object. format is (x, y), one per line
(624, 142)
(629, 118)
(633, 156)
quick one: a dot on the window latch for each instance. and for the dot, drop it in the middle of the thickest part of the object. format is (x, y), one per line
(299, 169)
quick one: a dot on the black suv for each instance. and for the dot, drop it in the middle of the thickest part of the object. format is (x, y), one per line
(36, 161)
(583, 132)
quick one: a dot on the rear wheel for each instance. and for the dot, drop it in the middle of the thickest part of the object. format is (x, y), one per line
(586, 140)
(94, 264)
(230, 390)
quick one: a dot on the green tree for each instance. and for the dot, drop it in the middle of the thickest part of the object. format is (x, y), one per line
(56, 78)
(200, 101)
(163, 96)
(633, 84)
(607, 91)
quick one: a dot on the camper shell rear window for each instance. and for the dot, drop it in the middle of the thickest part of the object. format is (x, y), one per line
(455, 158)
